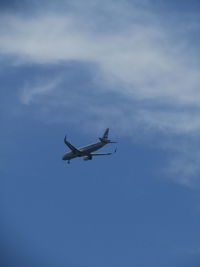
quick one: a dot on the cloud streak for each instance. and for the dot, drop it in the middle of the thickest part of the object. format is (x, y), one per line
(30, 93)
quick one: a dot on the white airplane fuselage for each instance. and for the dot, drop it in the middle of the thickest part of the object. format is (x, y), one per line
(85, 151)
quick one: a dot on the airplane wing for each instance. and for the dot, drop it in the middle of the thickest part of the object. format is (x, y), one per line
(73, 148)
(100, 154)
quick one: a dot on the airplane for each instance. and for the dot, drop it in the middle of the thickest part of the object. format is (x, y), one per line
(86, 152)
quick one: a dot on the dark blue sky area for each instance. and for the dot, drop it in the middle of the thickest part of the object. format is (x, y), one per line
(111, 211)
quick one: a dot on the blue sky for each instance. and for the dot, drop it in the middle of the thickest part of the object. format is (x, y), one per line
(76, 68)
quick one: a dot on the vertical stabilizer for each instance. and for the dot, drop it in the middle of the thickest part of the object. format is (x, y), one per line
(104, 138)
(105, 135)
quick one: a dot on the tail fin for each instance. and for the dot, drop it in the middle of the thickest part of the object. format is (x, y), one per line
(104, 138)
(105, 135)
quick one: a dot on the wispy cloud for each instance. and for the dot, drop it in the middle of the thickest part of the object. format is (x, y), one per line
(146, 67)
(183, 165)
(30, 93)
(141, 55)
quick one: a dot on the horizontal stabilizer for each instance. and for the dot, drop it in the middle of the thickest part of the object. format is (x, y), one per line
(106, 141)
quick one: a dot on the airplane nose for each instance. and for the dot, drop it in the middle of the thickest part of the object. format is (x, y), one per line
(65, 157)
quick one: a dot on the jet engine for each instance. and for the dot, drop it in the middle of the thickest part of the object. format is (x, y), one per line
(87, 158)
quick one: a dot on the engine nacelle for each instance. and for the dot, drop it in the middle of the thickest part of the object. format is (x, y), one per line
(87, 158)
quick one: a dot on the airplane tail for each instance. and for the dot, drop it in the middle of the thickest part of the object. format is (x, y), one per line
(104, 138)
(105, 135)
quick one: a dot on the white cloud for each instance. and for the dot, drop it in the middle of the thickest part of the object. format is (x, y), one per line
(139, 58)
(183, 166)
(30, 93)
